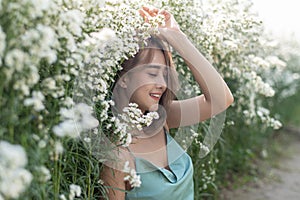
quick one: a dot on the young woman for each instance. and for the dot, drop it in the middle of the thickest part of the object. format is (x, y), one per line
(149, 80)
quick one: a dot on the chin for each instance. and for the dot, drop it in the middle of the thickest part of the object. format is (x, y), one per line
(153, 108)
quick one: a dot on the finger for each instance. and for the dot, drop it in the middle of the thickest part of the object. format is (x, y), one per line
(146, 8)
(166, 14)
(152, 14)
(155, 10)
(144, 15)
(152, 11)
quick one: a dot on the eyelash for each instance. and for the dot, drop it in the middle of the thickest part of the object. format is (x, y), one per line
(152, 74)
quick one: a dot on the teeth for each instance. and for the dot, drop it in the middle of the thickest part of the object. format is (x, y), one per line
(155, 95)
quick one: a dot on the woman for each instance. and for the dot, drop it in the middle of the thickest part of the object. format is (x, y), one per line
(148, 79)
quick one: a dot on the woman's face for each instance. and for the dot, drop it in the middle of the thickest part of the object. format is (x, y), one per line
(146, 83)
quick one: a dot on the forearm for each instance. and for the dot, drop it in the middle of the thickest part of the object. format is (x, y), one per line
(212, 85)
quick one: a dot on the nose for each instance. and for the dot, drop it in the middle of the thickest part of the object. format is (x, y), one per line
(161, 81)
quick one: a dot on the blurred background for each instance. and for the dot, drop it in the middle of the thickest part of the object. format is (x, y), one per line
(280, 17)
(277, 176)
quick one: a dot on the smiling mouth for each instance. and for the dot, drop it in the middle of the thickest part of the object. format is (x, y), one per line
(155, 96)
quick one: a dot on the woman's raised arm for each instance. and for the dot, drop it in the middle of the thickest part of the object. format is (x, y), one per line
(216, 95)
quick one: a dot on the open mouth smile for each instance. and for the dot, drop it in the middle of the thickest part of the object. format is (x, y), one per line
(155, 96)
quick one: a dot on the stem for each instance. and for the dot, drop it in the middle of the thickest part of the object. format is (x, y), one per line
(11, 132)
(89, 175)
(57, 168)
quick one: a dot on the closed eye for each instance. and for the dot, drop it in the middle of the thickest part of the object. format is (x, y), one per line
(152, 74)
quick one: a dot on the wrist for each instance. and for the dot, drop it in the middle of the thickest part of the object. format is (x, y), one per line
(177, 39)
(170, 34)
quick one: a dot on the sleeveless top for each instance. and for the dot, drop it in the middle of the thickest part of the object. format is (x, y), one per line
(160, 183)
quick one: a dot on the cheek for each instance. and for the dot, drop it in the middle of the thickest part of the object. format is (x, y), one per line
(139, 80)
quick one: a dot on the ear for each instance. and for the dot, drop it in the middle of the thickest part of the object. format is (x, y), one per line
(123, 81)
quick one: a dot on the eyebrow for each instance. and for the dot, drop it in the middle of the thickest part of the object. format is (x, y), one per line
(156, 67)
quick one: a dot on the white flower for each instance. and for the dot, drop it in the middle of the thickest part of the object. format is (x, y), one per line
(40, 41)
(132, 176)
(126, 167)
(277, 124)
(68, 128)
(68, 101)
(203, 148)
(49, 83)
(2, 42)
(76, 119)
(18, 178)
(12, 160)
(104, 35)
(44, 173)
(87, 139)
(36, 101)
(89, 122)
(133, 179)
(12, 156)
(58, 147)
(17, 59)
(62, 197)
(75, 190)
(126, 141)
(73, 20)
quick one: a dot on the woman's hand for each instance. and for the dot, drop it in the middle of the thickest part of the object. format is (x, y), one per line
(170, 22)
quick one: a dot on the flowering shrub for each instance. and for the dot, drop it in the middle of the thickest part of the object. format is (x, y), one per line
(58, 60)
(12, 163)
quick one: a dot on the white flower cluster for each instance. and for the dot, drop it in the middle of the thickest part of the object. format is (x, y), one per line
(131, 121)
(57, 150)
(33, 46)
(44, 174)
(36, 101)
(77, 119)
(132, 177)
(208, 174)
(256, 84)
(204, 150)
(75, 191)
(263, 114)
(14, 178)
(134, 116)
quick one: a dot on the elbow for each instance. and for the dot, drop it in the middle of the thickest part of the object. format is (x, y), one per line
(230, 99)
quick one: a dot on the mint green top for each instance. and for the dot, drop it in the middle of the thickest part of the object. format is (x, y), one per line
(162, 184)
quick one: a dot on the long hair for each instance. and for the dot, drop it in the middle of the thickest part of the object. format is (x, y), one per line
(144, 56)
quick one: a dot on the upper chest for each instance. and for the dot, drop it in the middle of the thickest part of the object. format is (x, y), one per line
(152, 148)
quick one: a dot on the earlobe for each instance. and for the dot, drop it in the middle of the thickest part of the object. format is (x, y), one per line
(123, 85)
(122, 82)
